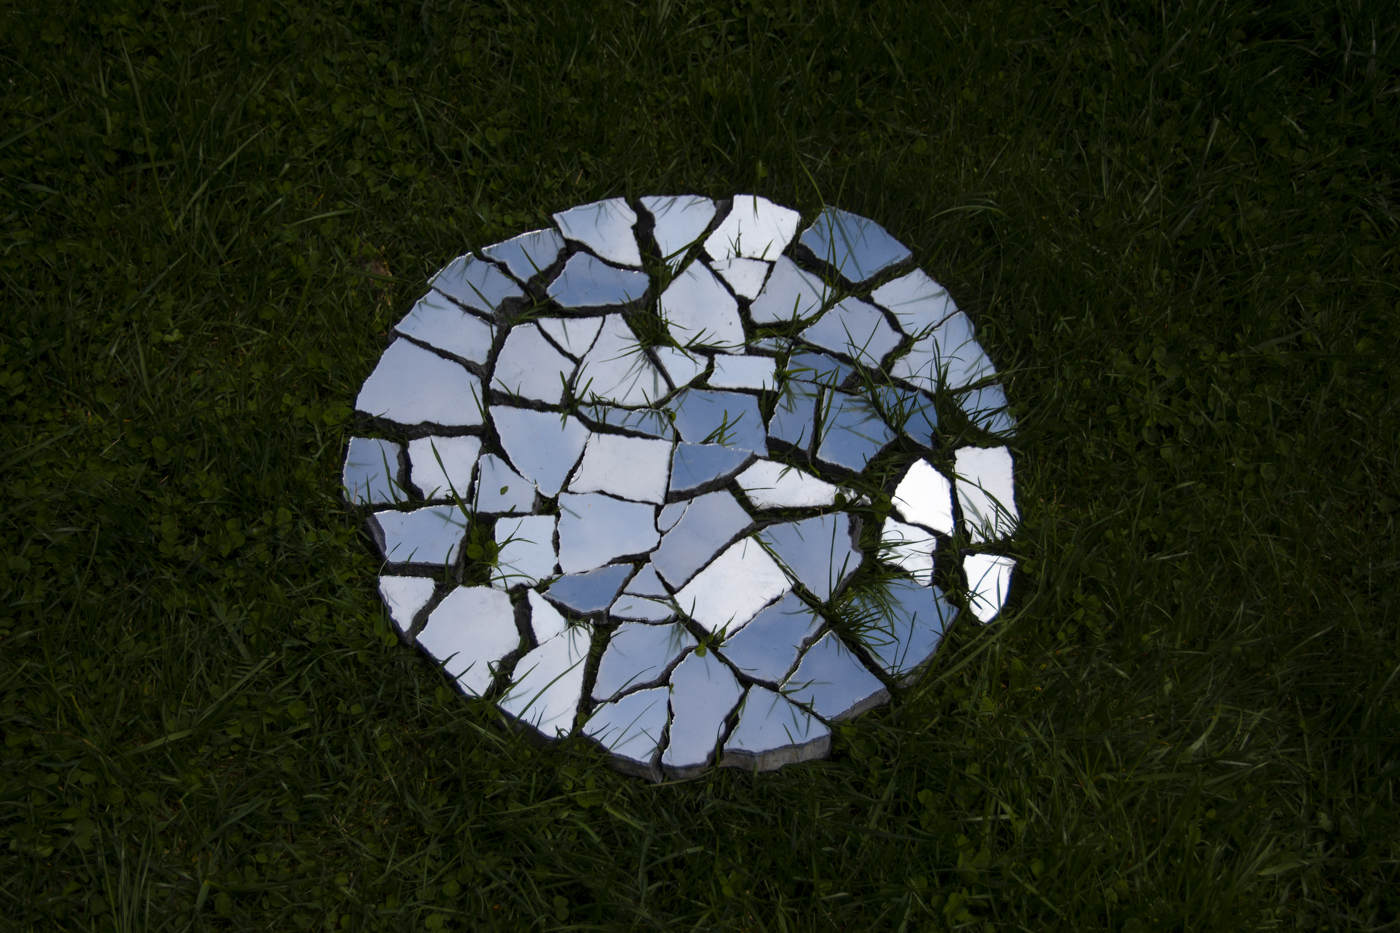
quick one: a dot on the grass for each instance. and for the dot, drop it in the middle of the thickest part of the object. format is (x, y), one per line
(1175, 226)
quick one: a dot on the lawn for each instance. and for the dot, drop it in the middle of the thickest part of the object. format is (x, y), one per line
(1170, 222)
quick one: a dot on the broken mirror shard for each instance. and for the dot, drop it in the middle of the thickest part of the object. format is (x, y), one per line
(790, 295)
(439, 323)
(371, 472)
(441, 467)
(771, 485)
(469, 633)
(772, 732)
(855, 329)
(903, 630)
(858, 248)
(988, 582)
(703, 693)
(596, 529)
(768, 647)
(986, 492)
(475, 284)
(547, 684)
(627, 467)
(819, 552)
(423, 536)
(711, 523)
(404, 597)
(543, 445)
(588, 282)
(756, 228)
(605, 227)
(743, 372)
(745, 276)
(731, 419)
(639, 655)
(832, 683)
(917, 302)
(412, 385)
(529, 367)
(573, 335)
(680, 223)
(697, 466)
(501, 489)
(925, 497)
(525, 551)
(529, 254)
(589, 592)
(731, 590)
(699, 311)
(631, 729)
(614, 443)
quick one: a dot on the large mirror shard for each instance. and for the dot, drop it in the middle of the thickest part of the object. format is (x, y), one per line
(627, 467)
(543, 445)
(475, 284)
(589, 592)
(547, 684)
(767, 648)
(470, 632)
(852, 431)
(631, 729)
(438, 322)
(744, 372)
(755, 228)
(903, 628)
(638, 655)
(412, 386)
(857, 247)
(820, 552)
(712, 522)
(908, 547)
(731, 419)
(949, 358)
(680, 223)
(695, 466)
(545, 620)
(772, 732)
(986, 408)
(617, 371)
(596, 529)
(529, 367)
(733, 588)
(791, 294)
(441, 467)
(529, 254)
(605, 227)
(833, 683)
(371, 472)
(703, 694)
(924, 496)
(501, 489)
(699, 311)
(917, 302)
(574, 335)
(988, 583)
(745, 276)
(423, 536)
(588, 282)
(986, 492)
(771, 485)
(855, 329)
(525, 554)
(404, 597)
(794, 418)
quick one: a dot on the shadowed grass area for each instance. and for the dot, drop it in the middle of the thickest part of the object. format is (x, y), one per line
(1174, 225)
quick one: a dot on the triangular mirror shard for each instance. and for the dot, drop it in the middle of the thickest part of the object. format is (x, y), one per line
(680, 223)
(589, 592)
(574, 335)
(988, 583)
(605, 227)
(745, 276)
(547, 684)
(439, 323)
(949, 358)
(699, 311)
(412, 386)
(647, 583)
(475, 284)
(792, 294)
(528, 254)
(543, 445)
(756, 228)
(902, 629)
(772, 732)
(529, 367)
(404, 597)
(819, 552)
(857, 247)
(697, 465)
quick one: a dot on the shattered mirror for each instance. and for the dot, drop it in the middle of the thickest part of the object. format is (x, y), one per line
(669, 476)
